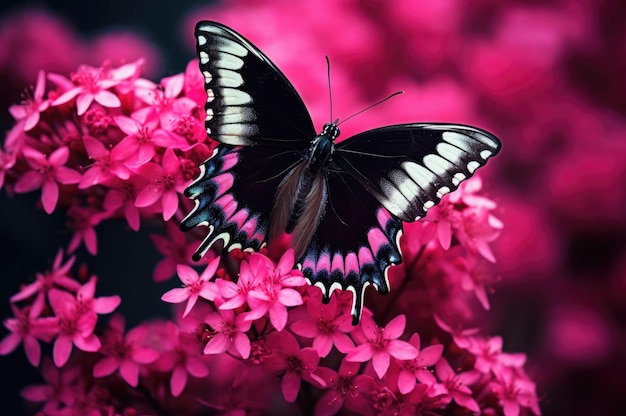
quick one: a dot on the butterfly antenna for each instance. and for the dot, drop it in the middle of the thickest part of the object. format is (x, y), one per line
(330, 90)
(373, 105)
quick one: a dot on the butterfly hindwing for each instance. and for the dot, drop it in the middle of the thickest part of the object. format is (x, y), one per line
(234, 195)
(409, 167)
(249, 101)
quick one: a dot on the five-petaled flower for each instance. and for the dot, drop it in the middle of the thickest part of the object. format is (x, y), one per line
(195, 285)
(379, 344)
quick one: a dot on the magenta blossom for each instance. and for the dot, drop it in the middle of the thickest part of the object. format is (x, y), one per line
(293, 363)
(166, 182)
(194, 286)
(87, 84)
(108, 164)
(514, 392)
(328, 325)
(60, 387)
(455, 386)
(417, 368)
(28, 328)
(230, 331)
(29, 112)
(47, 174)
(124, 353)
(345, 387)
(379, 344)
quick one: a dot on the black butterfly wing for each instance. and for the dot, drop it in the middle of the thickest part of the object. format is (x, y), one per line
(409, 167)
(264, 128)
(249, 101)
(376, 179)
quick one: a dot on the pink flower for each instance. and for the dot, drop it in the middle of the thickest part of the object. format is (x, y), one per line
(515, 391)
(57, 277)
(181, 359)
(416, 368)
(28, 114)
(379, 344)
(74, 327)
(166, 100)
(175, 250)
(87, 304)
(121, 196)
(345, 386)
(231, 330)
(283, 273)
(87, 84)
(142, 135)
(194, 286)
(273, 300)
(456, 386)
(166, 181)
(489, 355)
(249, 279)
(47, 174)
(60, 386)
(83, 220)
(125, 354)
(293, 363)
(107, 164)
(326, 324)
(28, 328)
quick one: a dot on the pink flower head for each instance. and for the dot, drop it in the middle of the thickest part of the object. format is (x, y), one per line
(230, 331)
(175, 250)
(87, 304)
(273, 300)
(74, 327)
(83, 220)
(345, 387)
(489, 355)
(166, 100)
(47, 174)
(181, 358)
(124, 353)
(515, 391)
(455, 386)
(28, 328)
(326, 324)
(194, 286)
(417, 368)
(87, 84)
(293, 363)
(165, 182)
(236, 294)
(379, 344)
(57, 277)
(29, 112)
(60, 387)
(108, 164)
(121, 196)
(142, 135)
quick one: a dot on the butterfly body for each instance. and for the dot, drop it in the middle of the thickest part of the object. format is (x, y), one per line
(343, 203)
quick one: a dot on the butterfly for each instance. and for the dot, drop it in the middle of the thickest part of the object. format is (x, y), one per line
(342, 204)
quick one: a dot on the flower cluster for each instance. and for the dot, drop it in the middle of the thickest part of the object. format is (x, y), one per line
(249, 335)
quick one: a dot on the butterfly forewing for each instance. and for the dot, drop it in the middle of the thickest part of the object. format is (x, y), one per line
(249, 101)
(409, 167)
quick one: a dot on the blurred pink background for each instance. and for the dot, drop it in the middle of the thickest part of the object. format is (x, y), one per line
(547, 77)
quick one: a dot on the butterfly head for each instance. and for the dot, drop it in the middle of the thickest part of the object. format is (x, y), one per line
(331, 130)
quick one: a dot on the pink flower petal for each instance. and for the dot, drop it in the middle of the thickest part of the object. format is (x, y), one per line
(290, 385)
(217, 345)
(83, 101)
(33, 350)
(401, 350)
(107, 99)
(361, 353)
(395, 327)
(61, 350)
(89, 343)
(9, 343)
(406, 382)
(178, 381)
(196, 367)
(129, 370)
(105, 367)
(380, 363)
(242, 345)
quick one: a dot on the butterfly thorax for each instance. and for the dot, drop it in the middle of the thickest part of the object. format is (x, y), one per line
(322, 148)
